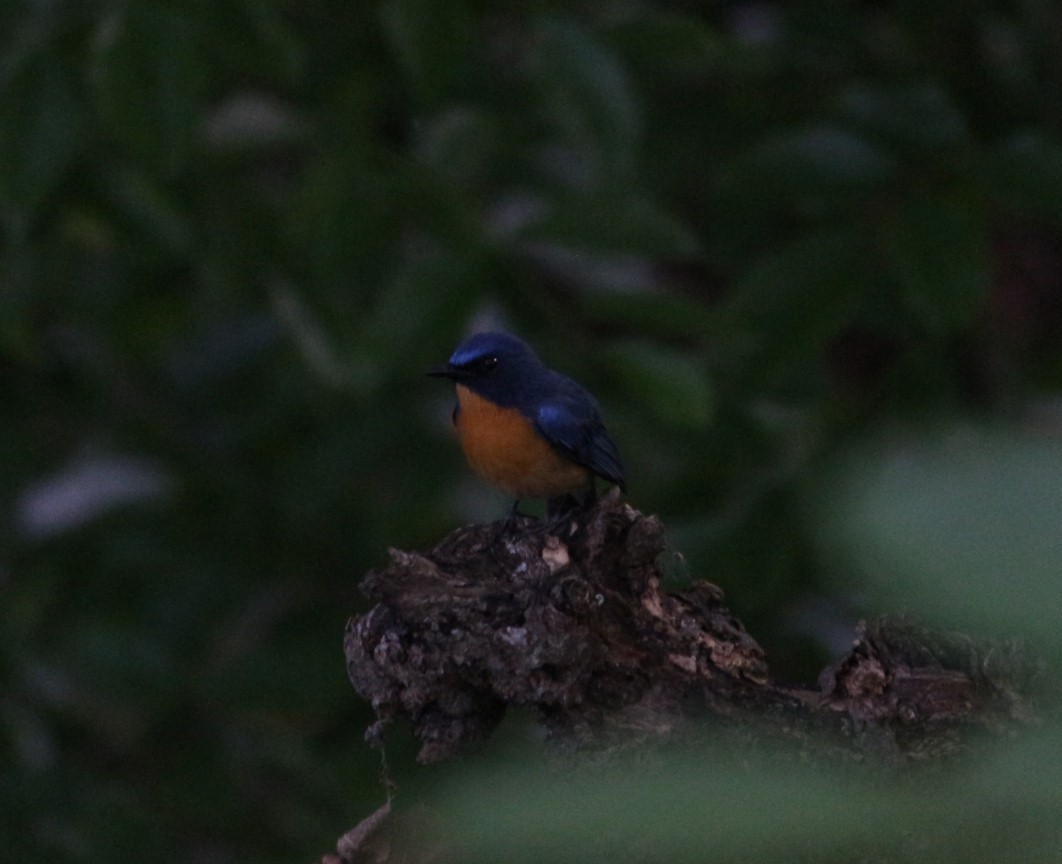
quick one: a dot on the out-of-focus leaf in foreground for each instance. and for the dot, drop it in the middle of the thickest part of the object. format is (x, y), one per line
(714, 804)
(936, 252)
(966, 528)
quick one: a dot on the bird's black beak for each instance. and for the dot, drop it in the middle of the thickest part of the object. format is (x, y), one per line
(447, 371)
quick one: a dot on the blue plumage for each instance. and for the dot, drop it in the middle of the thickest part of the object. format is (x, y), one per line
(573, 426)
(507, 372)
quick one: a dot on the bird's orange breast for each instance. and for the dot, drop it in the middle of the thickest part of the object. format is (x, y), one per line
(503, 447)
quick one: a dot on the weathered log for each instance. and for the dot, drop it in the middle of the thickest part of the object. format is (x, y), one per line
(572, 623)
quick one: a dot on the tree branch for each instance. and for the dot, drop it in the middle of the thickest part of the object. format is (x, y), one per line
(574, 626)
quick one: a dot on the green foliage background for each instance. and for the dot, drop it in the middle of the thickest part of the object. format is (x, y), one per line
(234, 234)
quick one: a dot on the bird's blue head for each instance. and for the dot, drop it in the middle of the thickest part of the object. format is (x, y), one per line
(497, 366)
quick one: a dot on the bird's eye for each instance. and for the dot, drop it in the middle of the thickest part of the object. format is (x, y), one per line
(489, 364)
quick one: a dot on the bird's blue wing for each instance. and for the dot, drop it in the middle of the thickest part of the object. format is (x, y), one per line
(570, 423)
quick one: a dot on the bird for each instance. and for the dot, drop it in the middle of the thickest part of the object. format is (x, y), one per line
(527, 429)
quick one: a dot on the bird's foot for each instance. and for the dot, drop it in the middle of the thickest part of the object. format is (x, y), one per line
(509, 524)
(563, 512)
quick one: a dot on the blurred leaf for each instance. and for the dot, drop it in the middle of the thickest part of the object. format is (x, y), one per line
(459, 145)
(285, 679)
(152, 77)
(708, 804)
(316, 348)
(1025, 173)
(124, 670)
(586, 95)
(663, 41)
(435, 41)
(650, 313)
(793, 300)
(254, 36)
(348, 223)
(19, 299)
(936, 247)
(433, 295)
(919, 116)
(672, 384)
(42, 123)
(965, 530)
(613, 221)
(251, 120)
(149, 213)
(807, 170)
(824, 156)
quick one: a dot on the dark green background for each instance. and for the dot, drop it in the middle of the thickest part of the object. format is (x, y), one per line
(234, 234)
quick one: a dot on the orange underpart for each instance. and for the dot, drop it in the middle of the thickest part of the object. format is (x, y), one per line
(503, 447)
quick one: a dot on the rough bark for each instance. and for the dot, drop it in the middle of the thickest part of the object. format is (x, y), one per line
(571, 623)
